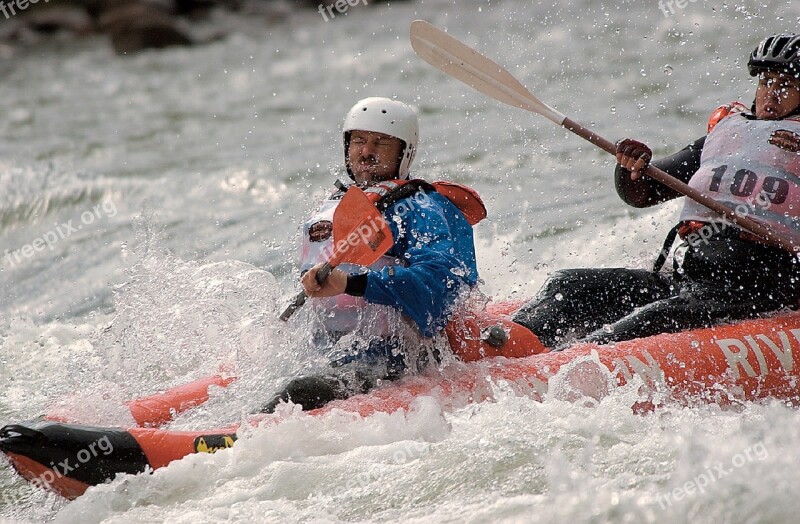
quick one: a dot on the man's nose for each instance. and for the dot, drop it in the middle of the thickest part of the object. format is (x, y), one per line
(368, 149)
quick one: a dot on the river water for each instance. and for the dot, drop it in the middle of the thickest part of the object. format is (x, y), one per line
(149, 211)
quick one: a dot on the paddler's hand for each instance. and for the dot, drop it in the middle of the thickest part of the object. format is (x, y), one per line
(334, 285)
(633, 156)
(786, 140)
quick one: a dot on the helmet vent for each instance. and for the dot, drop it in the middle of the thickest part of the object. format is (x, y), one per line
(779, 46)
(794, 49)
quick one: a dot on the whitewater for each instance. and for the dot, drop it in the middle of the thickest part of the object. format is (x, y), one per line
(149, 231)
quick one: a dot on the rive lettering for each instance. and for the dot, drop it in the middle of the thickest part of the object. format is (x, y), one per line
(623, 368)
(650, 373)
(737, 352)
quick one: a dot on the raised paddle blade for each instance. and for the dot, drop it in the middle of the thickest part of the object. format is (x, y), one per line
(360, 236)
(463, 63)
(467, 65)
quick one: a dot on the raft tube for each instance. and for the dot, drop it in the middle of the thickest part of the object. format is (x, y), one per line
(748, 361)
(472, 336)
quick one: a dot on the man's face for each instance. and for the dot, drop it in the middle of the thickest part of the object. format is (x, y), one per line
(373, 157)
(777, 96)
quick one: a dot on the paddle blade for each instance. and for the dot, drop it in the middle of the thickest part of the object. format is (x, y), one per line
(360, 233)
(463, 63)
(360, 236)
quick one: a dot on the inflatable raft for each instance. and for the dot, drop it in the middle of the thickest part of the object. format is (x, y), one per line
(747, 361)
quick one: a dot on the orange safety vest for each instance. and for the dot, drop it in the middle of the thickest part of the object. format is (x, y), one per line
(466, 199)
(473, 335)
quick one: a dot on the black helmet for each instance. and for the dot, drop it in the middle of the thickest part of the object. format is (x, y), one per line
(776, 53)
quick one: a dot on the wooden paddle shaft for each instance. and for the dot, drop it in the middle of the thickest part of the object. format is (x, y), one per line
(673, 183)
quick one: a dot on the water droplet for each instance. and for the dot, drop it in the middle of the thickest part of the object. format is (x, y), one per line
(643, 72)
(559, 296)
(668, 69)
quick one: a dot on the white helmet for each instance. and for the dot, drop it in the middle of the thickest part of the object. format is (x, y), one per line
(390, 117)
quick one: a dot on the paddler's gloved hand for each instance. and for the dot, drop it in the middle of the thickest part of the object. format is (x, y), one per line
(334, 285)
(633, 156)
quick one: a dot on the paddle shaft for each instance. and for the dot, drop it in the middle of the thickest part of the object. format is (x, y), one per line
(673, 183)
(300, 298)
(463, 63)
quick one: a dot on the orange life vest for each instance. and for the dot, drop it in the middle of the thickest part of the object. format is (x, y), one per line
(723, 111)
(472, 335)
(466, 199)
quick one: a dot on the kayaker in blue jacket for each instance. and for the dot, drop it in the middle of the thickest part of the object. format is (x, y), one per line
(750, 161)
(390, 308)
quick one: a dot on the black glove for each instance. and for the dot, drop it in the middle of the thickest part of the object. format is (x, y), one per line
(633, 155)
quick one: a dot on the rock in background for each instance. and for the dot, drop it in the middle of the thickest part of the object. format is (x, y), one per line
(136, 25)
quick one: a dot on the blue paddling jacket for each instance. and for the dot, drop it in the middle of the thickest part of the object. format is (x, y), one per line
(431, 262)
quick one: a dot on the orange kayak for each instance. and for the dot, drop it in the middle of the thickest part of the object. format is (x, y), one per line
(747, 361)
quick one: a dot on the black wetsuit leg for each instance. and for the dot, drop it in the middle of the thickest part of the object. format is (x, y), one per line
(674, 314)
(357, 372)
(728, 279)
(314, 391)
(575, 302)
